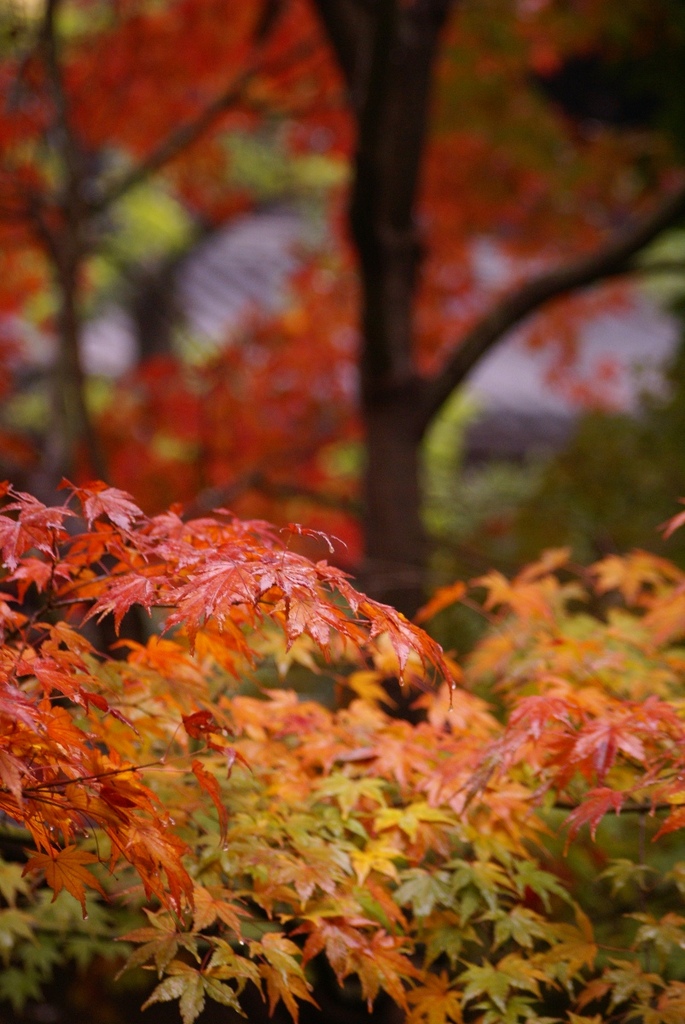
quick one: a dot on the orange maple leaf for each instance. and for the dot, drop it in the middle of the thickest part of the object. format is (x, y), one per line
(210, 785)
(65, 870)
(443, 598)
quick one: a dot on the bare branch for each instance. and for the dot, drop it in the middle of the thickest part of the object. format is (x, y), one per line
(612, 259)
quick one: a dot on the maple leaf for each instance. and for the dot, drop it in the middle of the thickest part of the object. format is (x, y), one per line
(38, 572)
(382, 963)
(529, 600)
(209, 905)
(213, 590)
(674, 822)
(378, 855)
(664, 933)
(184, 983)
(410, 819)
(284, 977)
(444, 597)
(98, 500)
(628, 981)
(348, 791)
(595, 805)
(339, 937)
(36, 526)
(549, 562)
(674, 523)
(368, 685)
(199, 724)
(159, 942)
(622, 872)
(666, 618)
(494, 981)
(210, 786)
(422, 890)
(635, 574)
(120, 594)
(152, 848)
(12, 770)
(435, 1001)
(670, 1005)
(65, 869)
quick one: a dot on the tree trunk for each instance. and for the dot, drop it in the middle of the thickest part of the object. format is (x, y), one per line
(73, 443)
(395, 541)
(386, 51)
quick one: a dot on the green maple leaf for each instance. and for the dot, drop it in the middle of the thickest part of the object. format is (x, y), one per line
(185, 984)
(192, 1001)
(542, 883)
(445, 934)
(170, 988)
(486, 981)
(15, 925)
(18, 985)
(522, 926)
(12, 882)
(629, 982)
(223, 994)
(664, 933)
(486, 876)
(518, 1010)
(495, 980)
(422, 890)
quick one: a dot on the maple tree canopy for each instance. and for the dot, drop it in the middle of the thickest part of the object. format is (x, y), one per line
(258, 830)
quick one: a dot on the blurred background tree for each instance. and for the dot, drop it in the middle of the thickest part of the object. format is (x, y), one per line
(480, 147)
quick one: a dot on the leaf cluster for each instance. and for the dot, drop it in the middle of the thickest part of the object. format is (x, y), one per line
(262, 834)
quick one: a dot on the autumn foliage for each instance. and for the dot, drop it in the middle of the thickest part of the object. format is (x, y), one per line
(201, 775)
(260, 831)
(490, 181)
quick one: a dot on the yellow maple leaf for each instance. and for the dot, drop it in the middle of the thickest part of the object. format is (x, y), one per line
(377, 856)
(367, 685)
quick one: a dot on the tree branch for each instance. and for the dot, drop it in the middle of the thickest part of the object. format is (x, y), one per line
(186, 134)
(256, 480)
(645, 807)
(610, 260)
(175, 143)
(658, 267)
